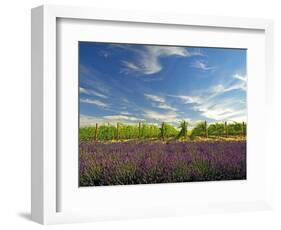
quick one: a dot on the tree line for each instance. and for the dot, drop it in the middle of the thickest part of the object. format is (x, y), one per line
(141, 130)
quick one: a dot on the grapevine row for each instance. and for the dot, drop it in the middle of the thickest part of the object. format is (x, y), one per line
(122, 131)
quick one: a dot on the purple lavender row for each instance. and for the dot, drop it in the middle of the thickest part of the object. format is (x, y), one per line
(136, 162)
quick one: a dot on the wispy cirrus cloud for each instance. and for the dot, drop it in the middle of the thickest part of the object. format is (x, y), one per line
(155, 98)
(125, 113)
(202, 65)
(212, 105)
(92, 92)
(156, 117)
(240, 77)
(186, 99)
(83, 90)
(159, 102)
(86, 120)
(166, 107)
(93, 79)
(161, 117)
(94, 102)
(130, 67)
(148, 59)
(121, 118)
(239, 83)
(221, 110)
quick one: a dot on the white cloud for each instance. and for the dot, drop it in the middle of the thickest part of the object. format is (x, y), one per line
(94, 102)
(89, 120)
(197, 52)
(211, 106)
(122, 118)
(149, 58)
(217, 89)
(125, 100)
(95, 80)
(220, 108)
(155, 98)
(92, 92)
(243, 81)
(241, 84)
(161, 117)
(220, 89)
(240, 77)
(125, 113)
(220, 111)
(160, 102)
(168, 117)
(92, 120)
(150, 62)
(202, 65)
(83, 90)
(187, 99)
(130, 66)
(239, 118)
(98, 94)
(166, 106)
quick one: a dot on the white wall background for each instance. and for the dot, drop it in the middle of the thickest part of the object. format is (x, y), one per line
(15, 112)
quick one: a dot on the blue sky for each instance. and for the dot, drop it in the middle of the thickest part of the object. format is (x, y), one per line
(132, 83)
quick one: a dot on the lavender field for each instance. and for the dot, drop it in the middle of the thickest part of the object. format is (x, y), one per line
(156, 161)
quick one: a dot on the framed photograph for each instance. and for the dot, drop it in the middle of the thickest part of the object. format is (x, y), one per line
(138, 114)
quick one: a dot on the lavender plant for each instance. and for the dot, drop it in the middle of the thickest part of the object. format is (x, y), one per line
(146, 162)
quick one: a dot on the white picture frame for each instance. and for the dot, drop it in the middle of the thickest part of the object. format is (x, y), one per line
(46, 182)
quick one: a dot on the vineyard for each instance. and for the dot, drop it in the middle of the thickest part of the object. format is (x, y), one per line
(164, 131)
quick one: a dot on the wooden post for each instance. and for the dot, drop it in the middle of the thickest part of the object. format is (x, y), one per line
(117, 131)
(96, 131)
(206, 129)
(185, 129)
(162, 131)
(225, 129)
(139, 130)
(243, 129)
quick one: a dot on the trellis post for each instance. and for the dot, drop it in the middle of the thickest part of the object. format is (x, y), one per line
(117, 131)
(243, 128)
(96, 131)
(139, 130)
(162, 131)
(206, 129)
(225, 129)
(185, 129)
